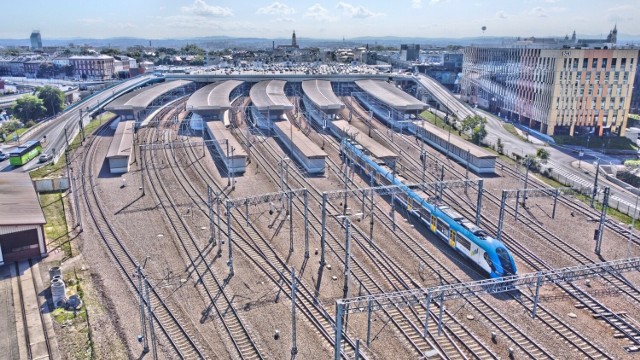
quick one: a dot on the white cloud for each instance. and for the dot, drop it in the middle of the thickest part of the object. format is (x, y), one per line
(277, 8)
(317, 12)
(91, 21)
(357, 12)
(201, 8)
(538, 12)
(283, 20)
(416, 4)
(502, 14)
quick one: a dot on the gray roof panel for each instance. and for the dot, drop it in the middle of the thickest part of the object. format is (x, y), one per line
(321, 94)
(269, 95)
(213, 97)
(144, 97)
(19, 204)
(390, 95)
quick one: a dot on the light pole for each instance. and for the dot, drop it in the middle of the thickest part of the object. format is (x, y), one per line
(633, 219)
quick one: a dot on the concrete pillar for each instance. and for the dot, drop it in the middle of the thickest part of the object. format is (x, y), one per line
(41, 243)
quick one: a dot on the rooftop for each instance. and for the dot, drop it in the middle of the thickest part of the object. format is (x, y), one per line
(390, 95)
(122, 141)
(140, 99)
(213, 96)
(269, 95)
(19, 204)
(321, 94)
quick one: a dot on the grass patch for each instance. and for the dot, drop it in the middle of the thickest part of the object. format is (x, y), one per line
(19, 132)
(56, 231)
(596, 142)
(57, 169)
(435, 120)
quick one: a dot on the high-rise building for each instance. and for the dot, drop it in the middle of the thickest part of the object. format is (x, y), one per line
(36, 40)
(554, 90)
(409, 52)
(294, 42)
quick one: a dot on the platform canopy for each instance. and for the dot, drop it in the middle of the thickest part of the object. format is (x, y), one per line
(388, 94)
(322, 95)
(213, 97)
(269, 95)
(140, 99)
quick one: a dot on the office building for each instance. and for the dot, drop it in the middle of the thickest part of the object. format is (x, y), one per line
(554, 90)
(409, 52)
(36, 40)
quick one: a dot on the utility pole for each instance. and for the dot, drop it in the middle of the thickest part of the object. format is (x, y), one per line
(526, 182)
(603, 218)
(143, 323)
(347, 251)
(82, 126)
(294, 347)
(595, 183)
(150, 313)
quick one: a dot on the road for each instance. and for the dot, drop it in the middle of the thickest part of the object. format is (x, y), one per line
(54, 129)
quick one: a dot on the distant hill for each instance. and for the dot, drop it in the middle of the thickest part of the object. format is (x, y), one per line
(213, 42)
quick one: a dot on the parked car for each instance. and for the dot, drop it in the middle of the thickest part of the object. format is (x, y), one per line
(3, 156)
(45, 157)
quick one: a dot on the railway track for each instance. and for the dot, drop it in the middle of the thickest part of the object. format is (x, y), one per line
(500, 323)
(458, 337)
(213, 287)
(258, 250)
(562, 329)
(169, 323)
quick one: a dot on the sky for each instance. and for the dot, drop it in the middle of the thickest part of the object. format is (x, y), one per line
(320, 19)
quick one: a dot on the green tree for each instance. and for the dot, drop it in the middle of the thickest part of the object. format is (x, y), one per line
(52, 98)
(109, 51)
(192, 49)
(542, 154)
(500, 146)
(476, 125)
(29, 107)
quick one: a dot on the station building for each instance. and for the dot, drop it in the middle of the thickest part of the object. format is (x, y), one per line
(21, 219)
(556, 90)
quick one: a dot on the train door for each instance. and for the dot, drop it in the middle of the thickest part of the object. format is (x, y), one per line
(452, 238)
(409, 203)
(434, 220)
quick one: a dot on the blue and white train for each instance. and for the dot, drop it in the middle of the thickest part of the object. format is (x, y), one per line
(464, 236)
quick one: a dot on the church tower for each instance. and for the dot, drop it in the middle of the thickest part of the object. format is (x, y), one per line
(614, 34)
(294, 43)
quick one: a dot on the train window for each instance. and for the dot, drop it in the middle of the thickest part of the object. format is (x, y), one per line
(442, 227)
(464, 242)
(505, 261)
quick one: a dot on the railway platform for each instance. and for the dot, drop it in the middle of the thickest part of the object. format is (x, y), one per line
(307, 153)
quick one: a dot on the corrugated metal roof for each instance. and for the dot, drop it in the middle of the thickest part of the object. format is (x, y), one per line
(322, 95)
(19, 203)
(213, 96)
(391, 95)
(144, 97)
(269, 95)
(308, 148)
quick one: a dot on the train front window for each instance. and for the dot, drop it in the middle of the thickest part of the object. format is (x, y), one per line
(488, 260)
(505, 261)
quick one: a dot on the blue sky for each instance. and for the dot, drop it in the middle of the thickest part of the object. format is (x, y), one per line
(159, 19)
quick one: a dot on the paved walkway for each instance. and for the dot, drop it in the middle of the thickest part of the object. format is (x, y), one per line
(8, 333)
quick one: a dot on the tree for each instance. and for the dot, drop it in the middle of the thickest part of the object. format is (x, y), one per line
(52, 98)
(192, 49)
(29, 107)
(109, 51)
(475, 124)
(542, 154)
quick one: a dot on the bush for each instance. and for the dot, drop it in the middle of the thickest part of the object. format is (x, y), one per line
(632, 163)
(30, 123)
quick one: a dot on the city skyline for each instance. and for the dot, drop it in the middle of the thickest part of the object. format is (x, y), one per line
(318, 19)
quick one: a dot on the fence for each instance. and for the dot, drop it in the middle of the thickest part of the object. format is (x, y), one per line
(50, 185)
(614, 202)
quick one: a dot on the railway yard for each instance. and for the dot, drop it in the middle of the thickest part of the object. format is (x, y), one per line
(207, 260)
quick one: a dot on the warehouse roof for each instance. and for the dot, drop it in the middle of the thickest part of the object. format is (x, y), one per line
(321, 94)
(19, 203)
(138, 100)
(390, 95)
(269, 95)
(213, 96)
